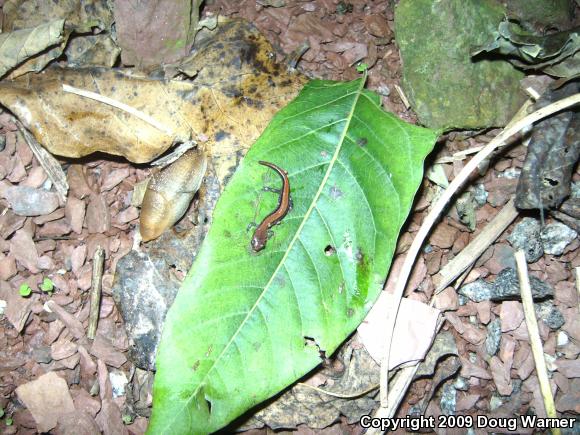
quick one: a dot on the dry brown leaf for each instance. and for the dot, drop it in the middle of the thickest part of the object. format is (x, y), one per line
(236, 92)
(21, 45)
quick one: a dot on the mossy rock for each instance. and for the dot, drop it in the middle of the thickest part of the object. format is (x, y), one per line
(444, 85)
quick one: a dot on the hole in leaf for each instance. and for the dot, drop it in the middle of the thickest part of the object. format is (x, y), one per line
(329, 250)
(309, 341)
(208, 403)
(550, 181)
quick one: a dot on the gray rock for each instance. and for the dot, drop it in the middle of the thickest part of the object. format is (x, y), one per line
(495, 402)
(493, 337)
(28, 201)
(461, 383)
(448, 400)
(555, 237)
(41, 354)
(549, 314)
(575, 189)
(477, 291)
(510, 173)
(118, 382)
(562, 339)
(506, 286)
(480, 195)
(2, 142)
(526, 236)
(143, 291)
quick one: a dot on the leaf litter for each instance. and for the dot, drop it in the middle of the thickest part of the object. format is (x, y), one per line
(294, 20)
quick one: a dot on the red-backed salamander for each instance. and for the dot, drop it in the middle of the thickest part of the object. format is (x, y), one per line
(261, 234)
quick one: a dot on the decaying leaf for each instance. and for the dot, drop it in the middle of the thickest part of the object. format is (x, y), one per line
(155, 32)
(92, 50)
(80, 15)
(556, 54)
(552, 155)
(170, 192)
(236, 92)
(20, 45)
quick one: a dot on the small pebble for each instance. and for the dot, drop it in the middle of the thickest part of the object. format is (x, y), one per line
(562, 339)
(480, 194)
(549, 314)
(555, 237)
(526, 236)
(493, 339)
(118, 382)
(477, 291)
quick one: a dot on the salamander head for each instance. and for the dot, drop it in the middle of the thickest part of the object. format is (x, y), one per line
(258, 243)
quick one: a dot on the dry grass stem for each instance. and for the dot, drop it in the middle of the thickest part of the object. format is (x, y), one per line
(534, 334)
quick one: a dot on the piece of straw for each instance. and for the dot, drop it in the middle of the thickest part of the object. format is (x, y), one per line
(535, 340)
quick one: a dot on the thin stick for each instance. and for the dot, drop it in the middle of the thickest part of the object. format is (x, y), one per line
(121, 106)
(403, 97)
(340, 395)
(534, 334)
(477, 246)
(95, 307)
(48, 162)
(438, 209)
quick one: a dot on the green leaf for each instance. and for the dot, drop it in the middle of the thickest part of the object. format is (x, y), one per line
(47, 285)
(25, 290)
(244, 324)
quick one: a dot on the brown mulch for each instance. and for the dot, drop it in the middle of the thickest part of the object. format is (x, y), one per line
(39, 339)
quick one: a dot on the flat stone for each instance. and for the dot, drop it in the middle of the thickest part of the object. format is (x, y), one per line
(477, 291)
(506, 286)
(28, 201)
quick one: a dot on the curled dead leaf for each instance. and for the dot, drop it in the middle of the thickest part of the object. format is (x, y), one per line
(170, 192)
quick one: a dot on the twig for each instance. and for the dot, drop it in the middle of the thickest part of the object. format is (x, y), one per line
(340, 395)
(438, 209)
(534, 334)
(477, 246)
(402, 96)
(121, 106)
(95, 307)
(48, 162)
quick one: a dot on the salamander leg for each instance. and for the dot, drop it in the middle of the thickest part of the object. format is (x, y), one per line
(251, 226)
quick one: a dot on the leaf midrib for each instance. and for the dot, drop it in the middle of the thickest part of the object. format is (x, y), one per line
(312, 207)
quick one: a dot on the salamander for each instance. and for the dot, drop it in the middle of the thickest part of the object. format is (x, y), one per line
(261, 234)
